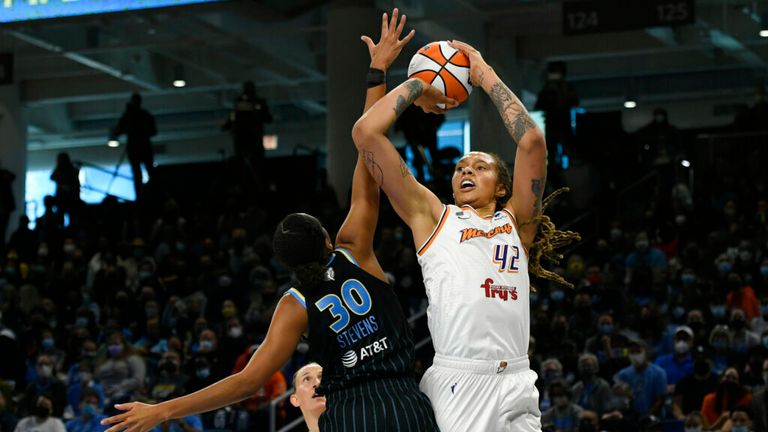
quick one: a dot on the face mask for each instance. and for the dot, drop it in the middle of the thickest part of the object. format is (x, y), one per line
(88, 354)
(557, 295)
(228, 312)
(235, 332)
(81, 322)
(606, 328)
(534, 297)
(680, 220)
(678, 312)
(203, 373)
(42, 252)
(48, 343)
(115, 350)
(681, 347)
(764, 271)
(724, 267)
(151, 312)
(144, 275)
(765, 341)
(701, 368)
(718, 311)
(552, 375)
(84, 377)
(166, 366)
(615, 233)
(560, 401)
(69, 248)
(641, 245)
(637, 359)
(688, 278)
(745, 256)
(90, 411)
(740, 429)
(587, 373)
(45, 371)
(42, 411)
(693, 429)
(719, 345)
(206, 345)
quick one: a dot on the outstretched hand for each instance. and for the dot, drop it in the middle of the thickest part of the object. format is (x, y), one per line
(477, 65)
(138, 417)
(389, 46)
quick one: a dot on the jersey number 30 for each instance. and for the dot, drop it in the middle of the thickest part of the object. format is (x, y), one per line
(354, 297)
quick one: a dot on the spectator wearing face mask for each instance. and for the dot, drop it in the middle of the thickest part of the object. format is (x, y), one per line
(695, 320)
(694, 422)
(122, 372)
(589, 421)
(169, 380)
(81, 380)
(208, 348)
(729, 394)
(679, 364)
(90, 415)
(551, 371)
(647, 382)
(690, 391)
(202, 377)
(741, 296)
(645, 255)
(720, 341)
(609, 345)
(46, 383)
(592, 392)
(233, 343)
(564, 414)
(741, 419)
(760, 403)
(742, 338)
(42, 419)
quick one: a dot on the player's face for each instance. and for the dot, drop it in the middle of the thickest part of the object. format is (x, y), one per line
(475, 180)
(307, 381)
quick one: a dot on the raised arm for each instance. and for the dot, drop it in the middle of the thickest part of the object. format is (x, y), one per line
(530, 172)
(419, 208)
(357, 231)
(288, 324)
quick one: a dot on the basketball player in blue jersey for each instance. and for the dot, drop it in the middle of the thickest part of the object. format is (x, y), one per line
(474, 256)
(356, 328)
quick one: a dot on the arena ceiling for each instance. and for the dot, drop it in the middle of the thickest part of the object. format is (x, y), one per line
(76, 74)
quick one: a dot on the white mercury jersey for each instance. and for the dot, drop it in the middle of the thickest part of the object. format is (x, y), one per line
(476, 276)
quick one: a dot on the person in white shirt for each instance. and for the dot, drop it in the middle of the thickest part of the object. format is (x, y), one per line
(42, 419)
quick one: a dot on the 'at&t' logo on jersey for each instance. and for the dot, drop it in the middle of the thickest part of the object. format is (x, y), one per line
(350, 358)
(470, 233)
(502, 292)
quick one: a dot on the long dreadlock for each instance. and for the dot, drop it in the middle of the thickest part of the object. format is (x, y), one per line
(548, 238)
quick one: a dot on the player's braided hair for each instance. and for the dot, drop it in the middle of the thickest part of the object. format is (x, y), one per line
(548, 238)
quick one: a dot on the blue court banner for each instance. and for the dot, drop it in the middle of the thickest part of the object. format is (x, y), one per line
(26, 10)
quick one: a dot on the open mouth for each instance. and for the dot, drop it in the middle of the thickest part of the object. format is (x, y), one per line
(467, 185)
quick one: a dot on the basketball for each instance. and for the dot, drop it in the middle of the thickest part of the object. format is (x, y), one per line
(444, 67)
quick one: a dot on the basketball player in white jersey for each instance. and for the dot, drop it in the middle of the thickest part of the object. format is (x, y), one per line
(474, 256)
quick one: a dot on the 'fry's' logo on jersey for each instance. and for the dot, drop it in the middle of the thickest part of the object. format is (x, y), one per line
(470, 233)
(502, 292)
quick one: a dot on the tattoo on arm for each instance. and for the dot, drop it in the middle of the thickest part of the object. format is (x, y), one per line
(415, 87)
(537, 187)
(373, 167)
(404, 170)
(515, 117)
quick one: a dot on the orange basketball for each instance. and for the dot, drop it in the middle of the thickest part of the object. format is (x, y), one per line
(444, 67)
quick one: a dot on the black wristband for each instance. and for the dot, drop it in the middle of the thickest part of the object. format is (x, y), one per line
(376, 77)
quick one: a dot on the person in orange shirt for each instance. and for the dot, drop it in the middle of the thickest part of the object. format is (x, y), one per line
(717, 406)
(275, 386)
(742, 296)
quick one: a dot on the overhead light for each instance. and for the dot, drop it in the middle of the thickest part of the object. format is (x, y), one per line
(629, 104)
(764, 33)
(686, 163)
(179, 83)
(113, 143)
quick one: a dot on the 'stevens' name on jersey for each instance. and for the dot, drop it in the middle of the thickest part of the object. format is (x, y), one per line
(358, 332)
(470, 233)
(499, 291)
